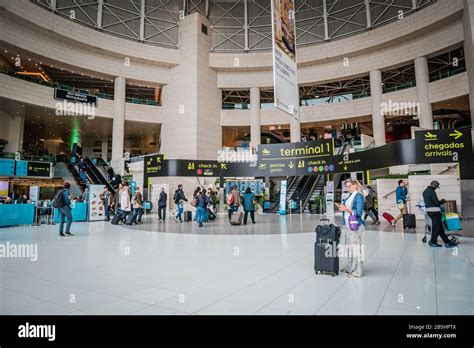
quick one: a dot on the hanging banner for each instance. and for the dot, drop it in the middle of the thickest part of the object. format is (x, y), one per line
(283, 186)
(96, 205)
(285, 81)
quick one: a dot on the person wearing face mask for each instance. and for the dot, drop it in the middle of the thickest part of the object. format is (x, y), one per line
(353, 205)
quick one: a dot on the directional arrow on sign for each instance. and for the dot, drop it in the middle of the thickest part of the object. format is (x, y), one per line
(457, 134)
(291, 165)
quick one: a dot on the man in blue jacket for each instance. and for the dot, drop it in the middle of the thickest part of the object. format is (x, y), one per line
(401, 197)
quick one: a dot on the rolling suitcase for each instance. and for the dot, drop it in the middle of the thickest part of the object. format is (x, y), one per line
(326, 259)
(116, 219)
(130, 219)
(236, 218)
(211, 214)
(388, 217)
(409, 221)
(188, 216)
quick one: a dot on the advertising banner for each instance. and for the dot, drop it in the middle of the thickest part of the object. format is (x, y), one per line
(283, 186)
(96, 205)
(284, 57)
(4, 186)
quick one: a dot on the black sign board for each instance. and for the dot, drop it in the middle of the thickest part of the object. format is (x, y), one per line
(73, 96)
(290, 159)
(443, 146)
(153, 165)
(42, 169)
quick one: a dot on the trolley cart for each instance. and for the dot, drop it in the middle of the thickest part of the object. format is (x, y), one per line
(449, 233)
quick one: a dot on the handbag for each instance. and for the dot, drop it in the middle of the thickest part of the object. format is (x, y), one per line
(353, 222)
(194, 202)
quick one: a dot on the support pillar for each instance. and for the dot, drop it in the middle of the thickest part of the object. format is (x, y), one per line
(16, 128)
(423, 92)
(378, 119)
(468, 25)
(105, 150)
(255, 131)
(118, 126)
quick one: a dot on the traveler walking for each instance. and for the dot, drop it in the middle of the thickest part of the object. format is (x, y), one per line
(108, 200)
(369, 206)
(162, 203)
(137, 204)
(249, 201)
(233, 200)
(125, 203)
(179, 199)
(433, 209)
(62, 202)
(202, 202)
(401, 197)
(352, 209)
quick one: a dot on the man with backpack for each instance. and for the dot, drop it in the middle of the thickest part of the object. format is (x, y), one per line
(179, 199)
(62, 202)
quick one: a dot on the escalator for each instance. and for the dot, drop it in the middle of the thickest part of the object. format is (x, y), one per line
(95, 175)
(66, 170)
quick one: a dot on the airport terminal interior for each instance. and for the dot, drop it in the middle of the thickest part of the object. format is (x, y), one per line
(237, 157)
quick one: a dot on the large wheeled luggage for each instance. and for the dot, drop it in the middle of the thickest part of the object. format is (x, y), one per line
(236, 218)
(131, 219)
(211, 214)
(409, 221)
(326, 259)
(117, 218)
(188, 216)
(388, 217)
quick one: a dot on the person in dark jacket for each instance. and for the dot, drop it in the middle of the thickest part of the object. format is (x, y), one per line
(65, 211)
(137, 203)
(249, 201)
(162, 203)
(201, 207)
(179, 199)
(433, 209)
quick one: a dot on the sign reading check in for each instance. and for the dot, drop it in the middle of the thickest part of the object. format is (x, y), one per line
(443, 146)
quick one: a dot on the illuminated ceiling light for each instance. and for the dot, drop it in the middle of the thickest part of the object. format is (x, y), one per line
(6, 51)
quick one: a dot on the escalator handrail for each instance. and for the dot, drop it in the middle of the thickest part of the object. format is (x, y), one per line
(97, 175)
(315, 184)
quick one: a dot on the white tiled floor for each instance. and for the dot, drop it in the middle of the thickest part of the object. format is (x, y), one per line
(265, 270)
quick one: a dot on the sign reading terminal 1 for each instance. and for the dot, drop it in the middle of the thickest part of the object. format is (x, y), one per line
(289, 158)
(442, 146)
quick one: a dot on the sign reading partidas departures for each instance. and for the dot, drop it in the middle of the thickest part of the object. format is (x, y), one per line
(285, 81)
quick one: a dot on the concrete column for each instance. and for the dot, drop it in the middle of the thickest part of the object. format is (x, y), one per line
(423, 92)
(468, 24)
(105, 150)
(119, 118)
(378, 119)
(16, 128)
(255, 117)
(295, 130)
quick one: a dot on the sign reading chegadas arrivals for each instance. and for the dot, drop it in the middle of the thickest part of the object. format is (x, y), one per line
(284, 57)
(443, 146)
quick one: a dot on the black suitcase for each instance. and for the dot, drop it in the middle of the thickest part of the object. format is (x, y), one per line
(409, 221)
(326, 259)
(116, 219)
(130, 219)
(212, 216)
(328, 232)
(188, 216)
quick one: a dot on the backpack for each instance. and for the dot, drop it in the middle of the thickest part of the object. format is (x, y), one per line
(353, 222)
(58, 199)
